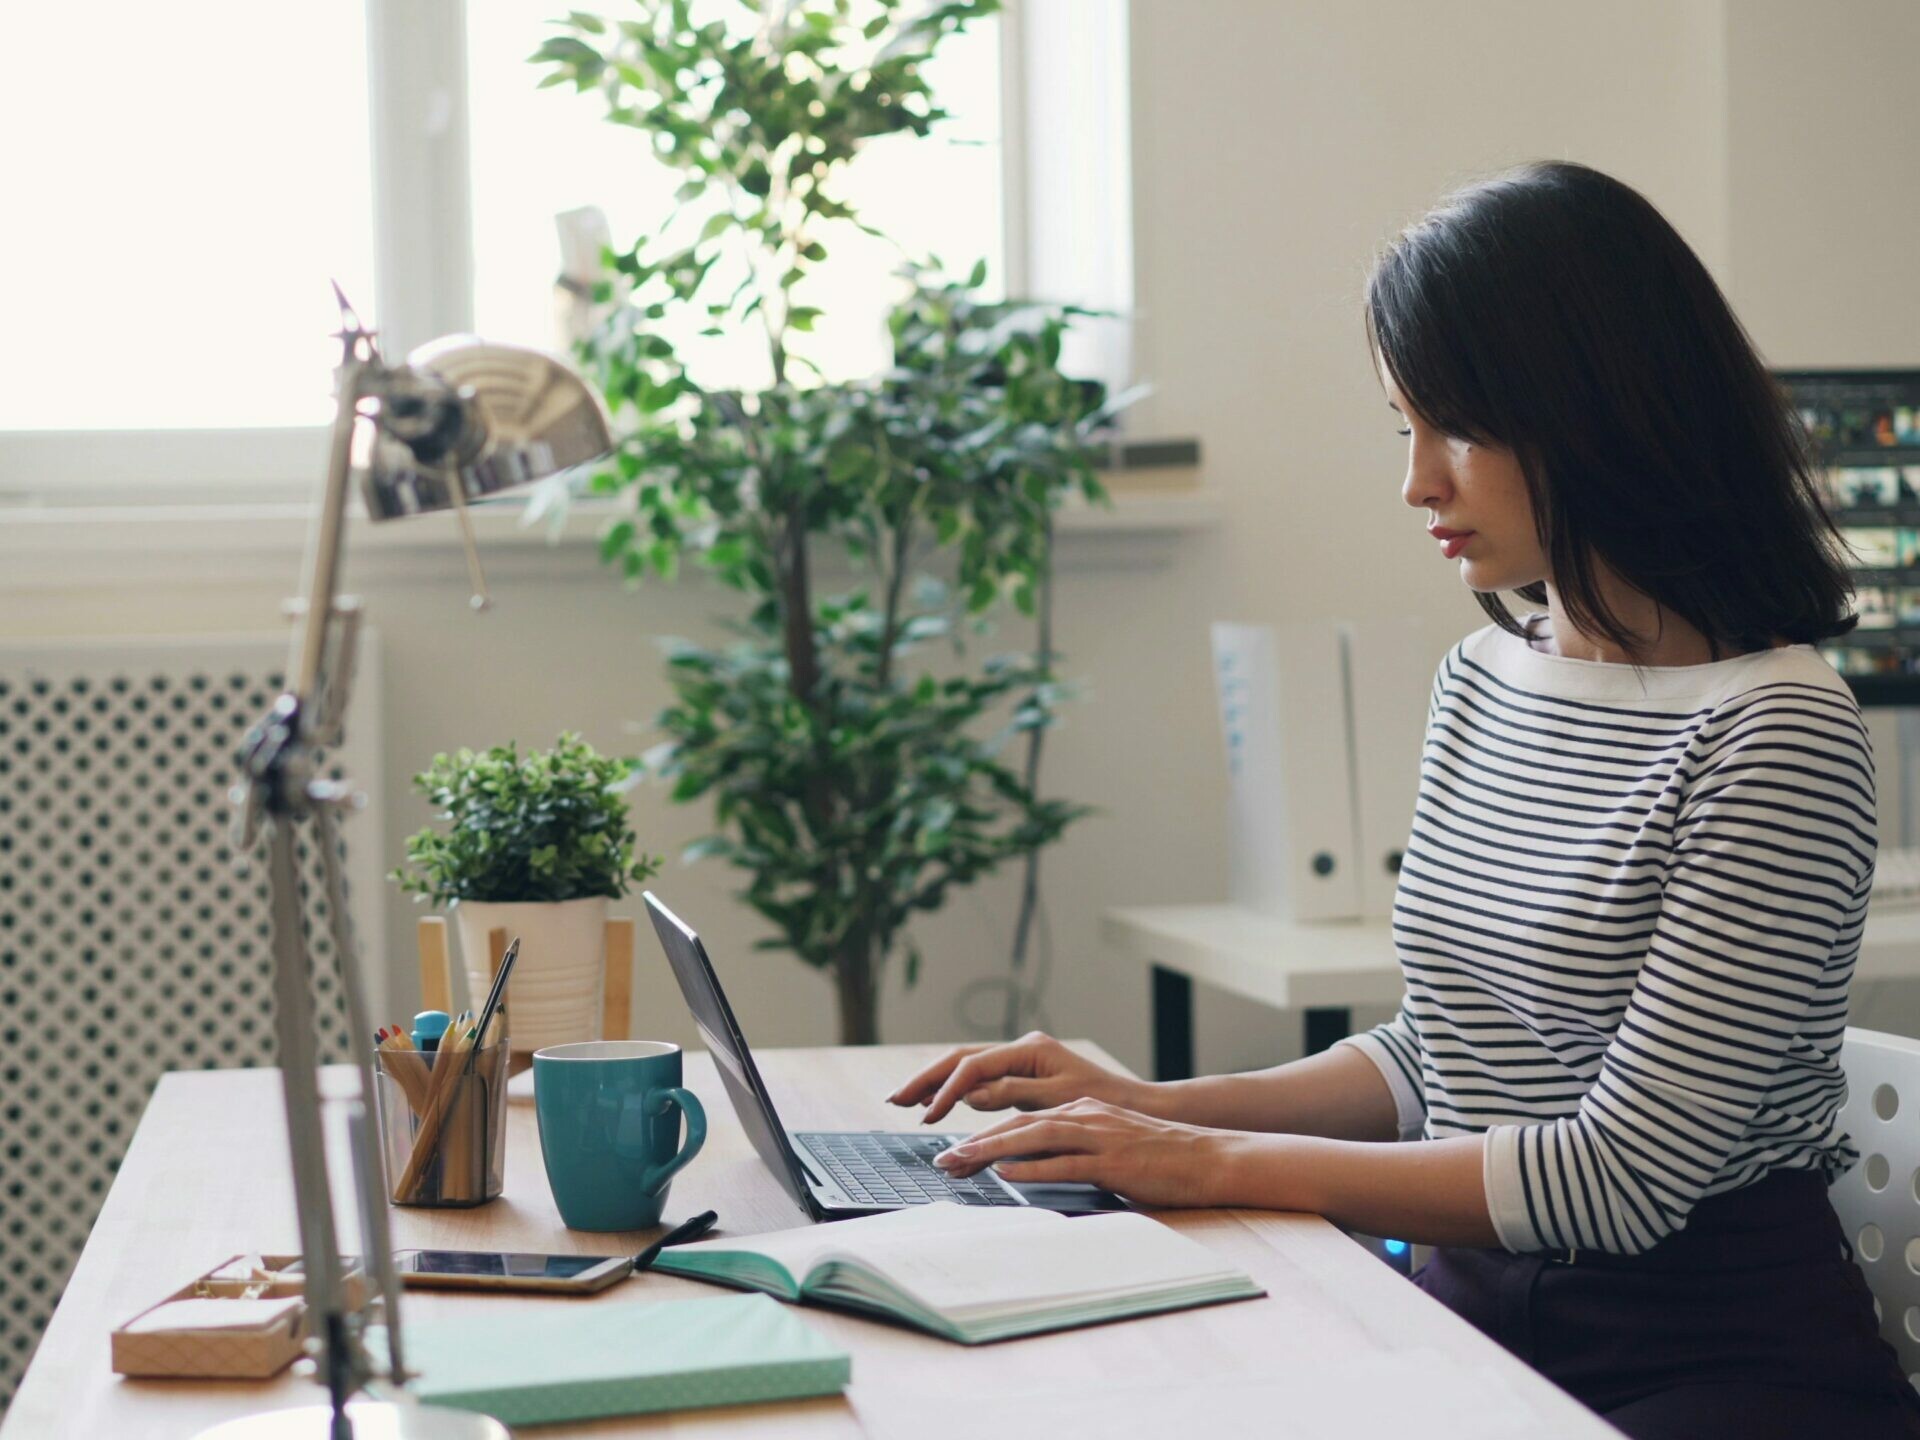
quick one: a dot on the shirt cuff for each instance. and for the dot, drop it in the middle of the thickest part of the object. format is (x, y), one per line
(1506, 1191)
(1409, 1105)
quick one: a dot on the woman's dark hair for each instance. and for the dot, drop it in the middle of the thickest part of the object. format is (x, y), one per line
(1552, 312)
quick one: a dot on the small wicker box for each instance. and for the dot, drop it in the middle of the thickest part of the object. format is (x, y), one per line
(235, 1355)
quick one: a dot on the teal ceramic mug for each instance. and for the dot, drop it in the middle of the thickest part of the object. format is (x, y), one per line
(609, 1115)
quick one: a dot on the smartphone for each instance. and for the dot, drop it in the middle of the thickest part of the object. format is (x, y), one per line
(492, 1270)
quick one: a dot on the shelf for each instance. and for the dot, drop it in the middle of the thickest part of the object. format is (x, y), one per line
(58, 547)
(1869, 457)
(1876, 516)
(1884, 689)
(1893, 637)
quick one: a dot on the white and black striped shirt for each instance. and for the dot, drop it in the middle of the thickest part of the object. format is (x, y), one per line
(1628, 918)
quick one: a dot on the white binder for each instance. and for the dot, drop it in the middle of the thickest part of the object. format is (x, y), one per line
(1290, 801)
(1390, 670)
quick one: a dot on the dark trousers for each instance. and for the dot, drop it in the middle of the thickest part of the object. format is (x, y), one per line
(1753, 1322)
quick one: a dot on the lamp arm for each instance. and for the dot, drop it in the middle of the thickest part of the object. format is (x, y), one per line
(306, 663)
(369, 1162)
(279, 789)
(279, 785)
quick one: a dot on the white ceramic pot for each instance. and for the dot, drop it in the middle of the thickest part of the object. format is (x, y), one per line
(557, 993)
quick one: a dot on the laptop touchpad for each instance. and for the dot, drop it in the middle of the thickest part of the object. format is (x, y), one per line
(1068, 1197)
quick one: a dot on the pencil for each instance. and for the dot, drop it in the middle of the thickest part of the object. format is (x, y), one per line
(399, 1059)
(456, 1148)
(440, 1092)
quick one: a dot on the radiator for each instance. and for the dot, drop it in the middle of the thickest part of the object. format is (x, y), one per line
(130, 944)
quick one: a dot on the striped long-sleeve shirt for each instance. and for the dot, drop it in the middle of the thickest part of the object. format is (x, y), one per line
(1628, 918)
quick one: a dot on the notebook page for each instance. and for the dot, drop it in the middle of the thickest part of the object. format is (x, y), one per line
(957, 1272)
(802, 1249)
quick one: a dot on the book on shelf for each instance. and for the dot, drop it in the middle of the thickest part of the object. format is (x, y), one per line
(973, 1274)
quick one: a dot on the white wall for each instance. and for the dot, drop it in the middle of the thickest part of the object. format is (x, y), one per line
(1276, 145)
(567, 646)
(1824, 180)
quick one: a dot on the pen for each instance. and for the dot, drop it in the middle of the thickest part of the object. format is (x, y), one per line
(497, 993)
(680, 1234)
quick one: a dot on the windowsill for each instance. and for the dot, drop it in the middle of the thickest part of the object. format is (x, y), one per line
(57, 547)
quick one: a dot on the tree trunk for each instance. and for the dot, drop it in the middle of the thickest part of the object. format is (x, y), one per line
(856, 976)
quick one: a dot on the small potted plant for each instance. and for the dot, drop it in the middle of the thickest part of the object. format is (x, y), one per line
(536, 844)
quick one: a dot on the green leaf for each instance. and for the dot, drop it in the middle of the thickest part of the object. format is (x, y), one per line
(705, 848)
(549, 826)
(616, 538)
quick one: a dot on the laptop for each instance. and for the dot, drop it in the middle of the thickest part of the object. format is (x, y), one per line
(833, 1174)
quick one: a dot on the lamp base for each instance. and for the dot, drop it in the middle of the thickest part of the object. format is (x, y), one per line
(371, 1421)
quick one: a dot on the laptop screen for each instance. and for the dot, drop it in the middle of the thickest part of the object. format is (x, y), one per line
(731, 1058)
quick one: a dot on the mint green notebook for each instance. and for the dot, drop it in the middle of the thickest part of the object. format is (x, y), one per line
(580, 1360)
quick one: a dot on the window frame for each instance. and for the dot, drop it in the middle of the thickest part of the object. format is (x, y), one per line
(424, 269)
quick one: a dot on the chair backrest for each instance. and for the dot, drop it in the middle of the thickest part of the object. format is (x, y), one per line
(1878, 1200)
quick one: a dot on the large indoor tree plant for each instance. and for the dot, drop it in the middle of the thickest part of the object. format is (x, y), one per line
(854, 783)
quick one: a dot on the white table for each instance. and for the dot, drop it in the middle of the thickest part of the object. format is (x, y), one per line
(1326, 967)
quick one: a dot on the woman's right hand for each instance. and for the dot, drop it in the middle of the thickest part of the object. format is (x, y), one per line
(1035, 1072)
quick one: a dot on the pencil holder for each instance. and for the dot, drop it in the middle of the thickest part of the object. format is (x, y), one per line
(443, 1124)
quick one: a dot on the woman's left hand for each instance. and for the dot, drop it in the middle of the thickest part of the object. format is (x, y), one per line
(1154, 1162)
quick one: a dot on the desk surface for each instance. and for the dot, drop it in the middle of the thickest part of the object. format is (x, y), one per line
(1341, 1344)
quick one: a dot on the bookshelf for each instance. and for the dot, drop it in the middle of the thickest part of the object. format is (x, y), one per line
(1865, 426)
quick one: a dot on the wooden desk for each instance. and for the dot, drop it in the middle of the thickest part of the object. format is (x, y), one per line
(207, 1176)
(1325, 967)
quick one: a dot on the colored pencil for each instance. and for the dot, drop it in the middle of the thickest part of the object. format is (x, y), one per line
(444, 1085)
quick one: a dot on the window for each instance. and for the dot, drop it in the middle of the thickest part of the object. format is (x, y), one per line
(537, 153)
(202, 181)
(179, 191)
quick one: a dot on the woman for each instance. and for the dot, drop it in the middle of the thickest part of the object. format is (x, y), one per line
(1633, 896)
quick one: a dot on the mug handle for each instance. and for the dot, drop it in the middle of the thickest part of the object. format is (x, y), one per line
(689, 1104)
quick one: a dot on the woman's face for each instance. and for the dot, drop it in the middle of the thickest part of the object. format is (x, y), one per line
(1478, 510)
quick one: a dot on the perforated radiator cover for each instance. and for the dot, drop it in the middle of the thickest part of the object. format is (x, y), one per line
(131, 943)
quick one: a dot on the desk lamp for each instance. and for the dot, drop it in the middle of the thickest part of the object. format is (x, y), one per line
(459, 421)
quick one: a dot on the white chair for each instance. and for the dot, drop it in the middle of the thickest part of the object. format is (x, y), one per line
(1878, 1200)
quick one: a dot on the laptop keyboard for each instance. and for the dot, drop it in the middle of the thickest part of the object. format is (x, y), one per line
(881, 1169)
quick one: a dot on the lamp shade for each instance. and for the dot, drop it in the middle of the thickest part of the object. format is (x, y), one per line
(487, 418)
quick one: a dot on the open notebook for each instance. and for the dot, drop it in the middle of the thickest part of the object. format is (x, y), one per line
(974, 1273)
